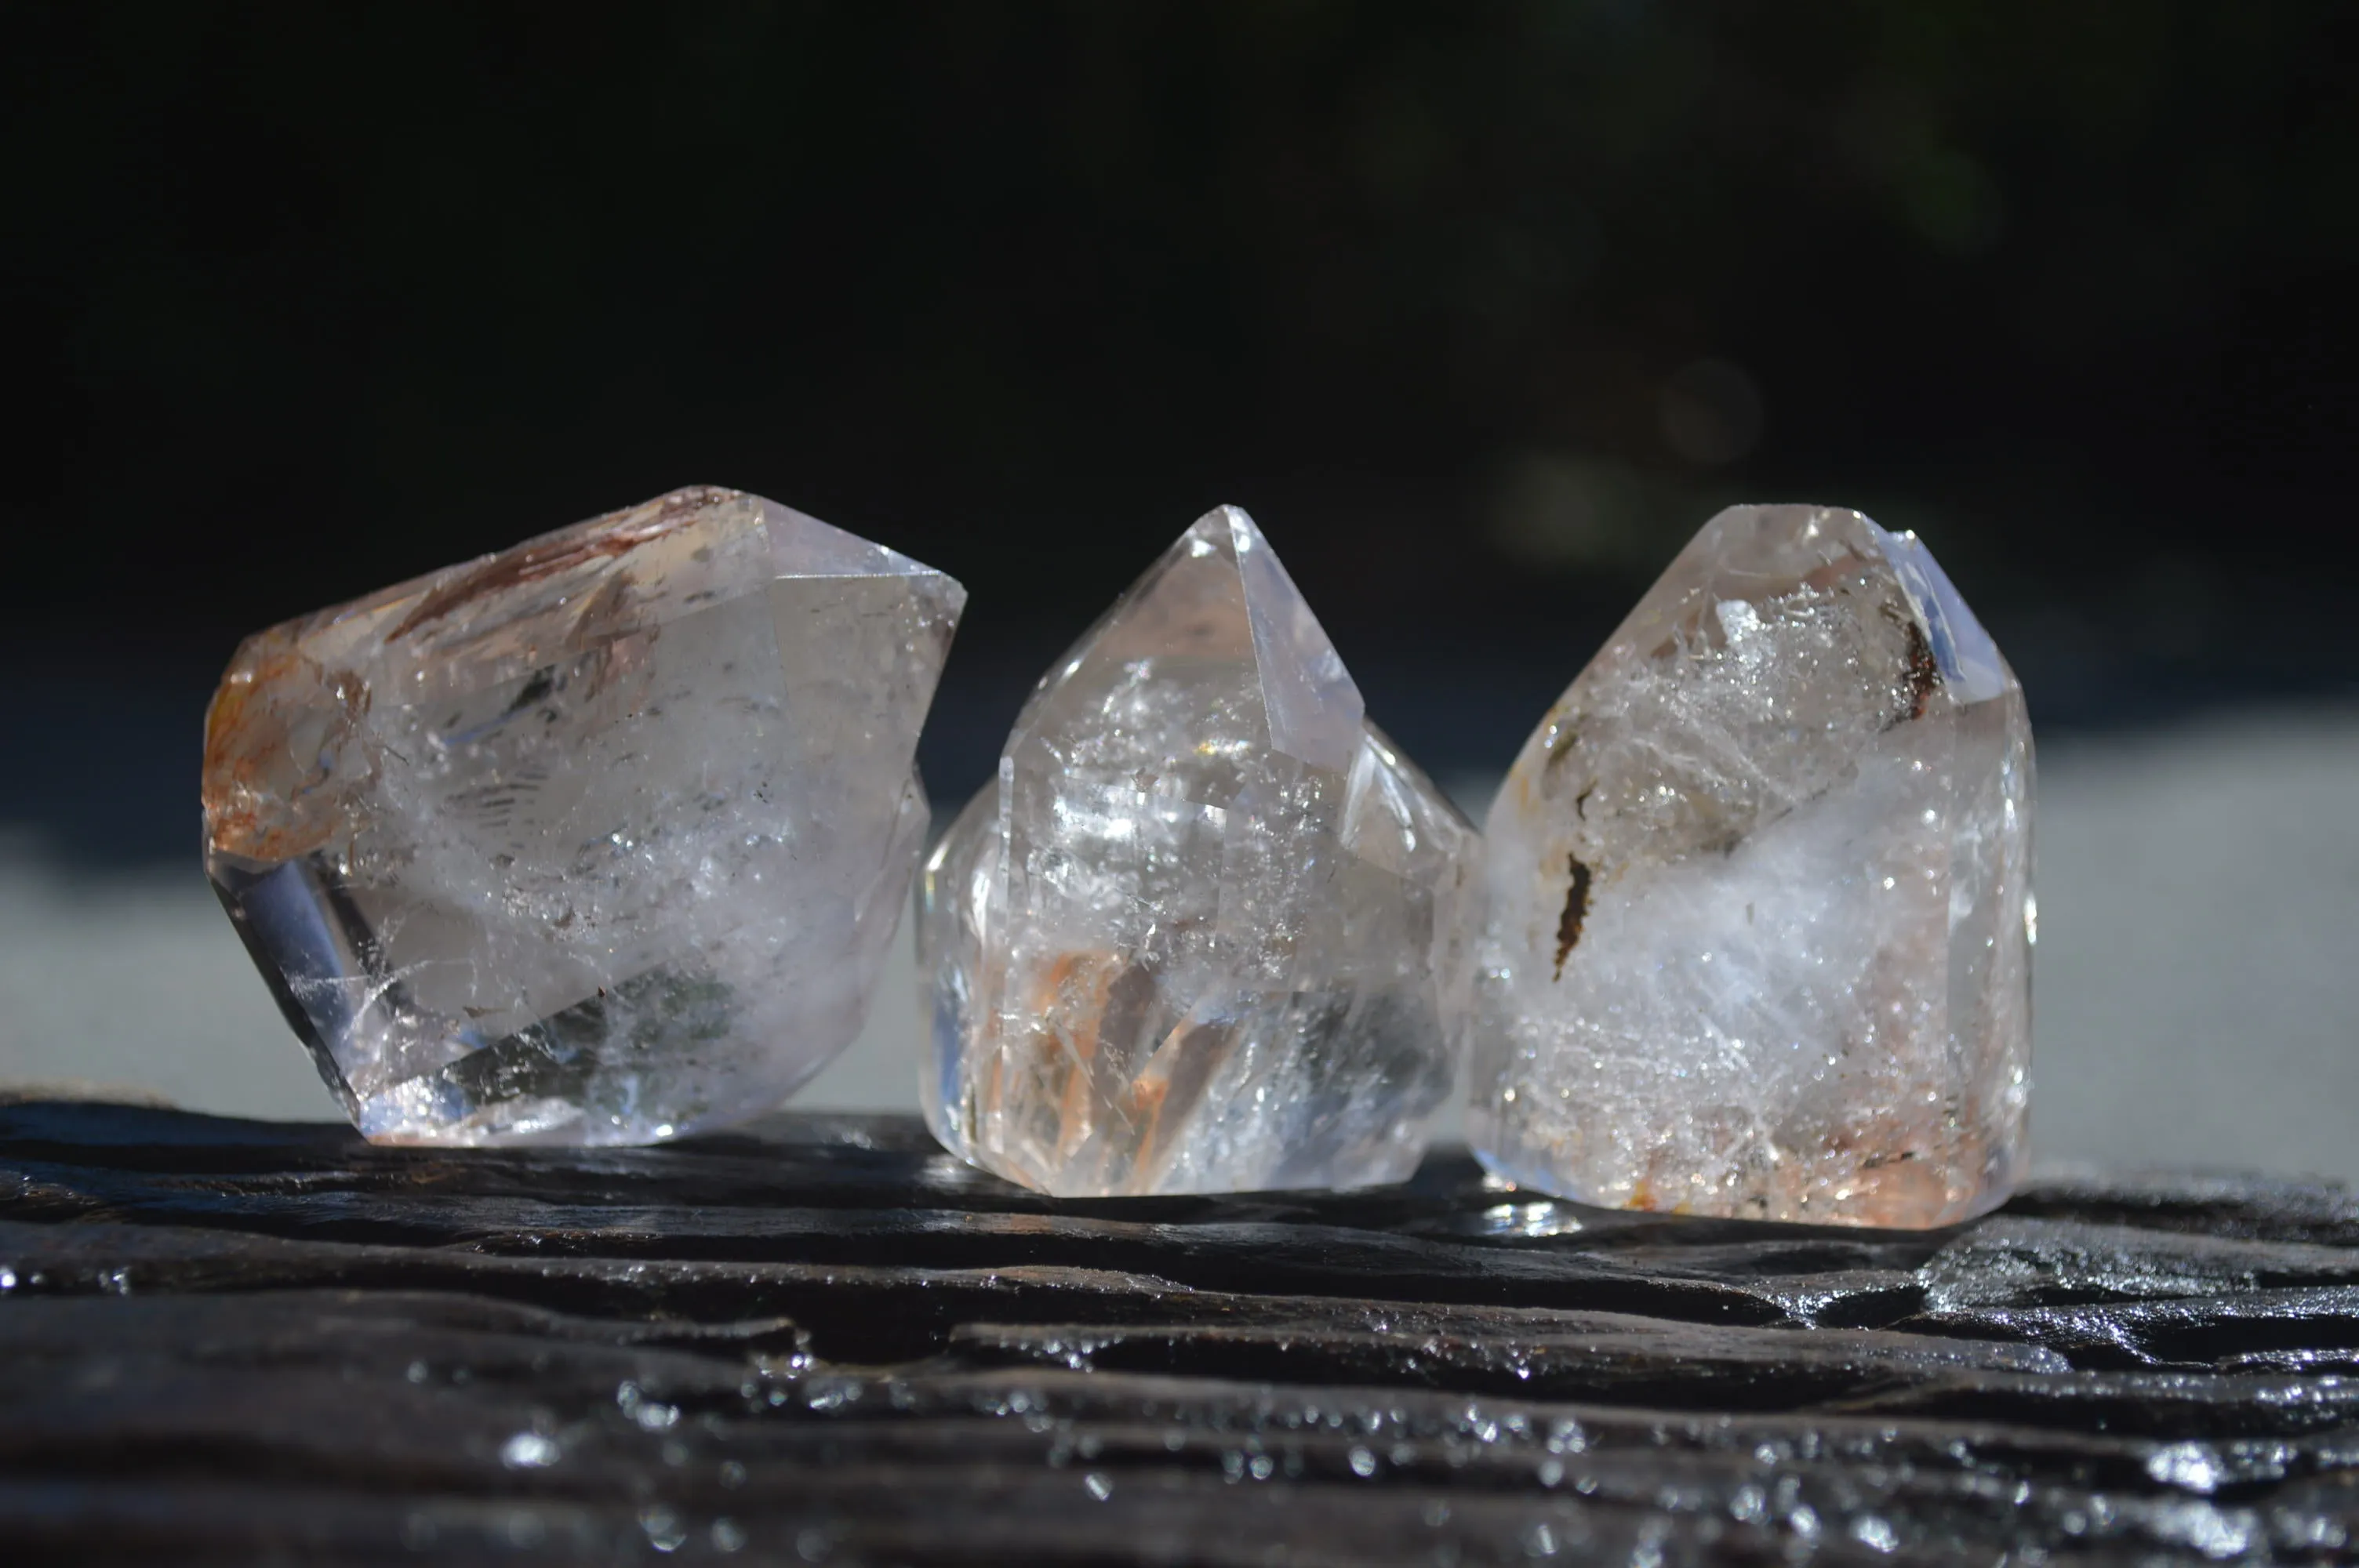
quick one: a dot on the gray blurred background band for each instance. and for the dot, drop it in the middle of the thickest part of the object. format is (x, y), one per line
(2196, 991)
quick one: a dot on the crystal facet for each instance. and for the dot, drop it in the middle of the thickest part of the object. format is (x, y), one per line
(598, 840)
(1758, 913)
(1198, 936)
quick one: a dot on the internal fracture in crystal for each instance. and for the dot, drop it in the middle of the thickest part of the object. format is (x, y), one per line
(1199, 936)
(598, 840)
(1758, 918)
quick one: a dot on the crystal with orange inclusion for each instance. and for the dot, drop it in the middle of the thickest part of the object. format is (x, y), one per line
(1200, 936)
(600, 840)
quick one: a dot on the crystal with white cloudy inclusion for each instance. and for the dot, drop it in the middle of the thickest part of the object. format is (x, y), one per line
(1198, 936)
(597, 840)
(1758, 926)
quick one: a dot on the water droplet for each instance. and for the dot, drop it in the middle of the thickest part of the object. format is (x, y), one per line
(1875, 1533)
(663, 1528)
(728, 1535)
(1099, 1485)
(1364, 1463)
(2190, 1466)
(528, 1450)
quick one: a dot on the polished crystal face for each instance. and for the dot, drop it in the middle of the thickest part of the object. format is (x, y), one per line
(1197, 936)
(1758, 917)
(598, 840)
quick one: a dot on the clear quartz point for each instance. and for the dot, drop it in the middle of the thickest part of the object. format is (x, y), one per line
(598, 840)
(1199, 936)
(1757, 926)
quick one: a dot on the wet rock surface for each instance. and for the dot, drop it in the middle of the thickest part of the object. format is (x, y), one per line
(824, 1340)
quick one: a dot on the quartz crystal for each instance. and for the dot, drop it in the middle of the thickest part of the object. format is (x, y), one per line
(1758, 913)
(1199, 936)
(598, 840)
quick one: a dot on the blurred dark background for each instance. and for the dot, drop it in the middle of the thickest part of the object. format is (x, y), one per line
(1480, 310)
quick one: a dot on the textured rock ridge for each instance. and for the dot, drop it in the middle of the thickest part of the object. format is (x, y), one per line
(822, 1339)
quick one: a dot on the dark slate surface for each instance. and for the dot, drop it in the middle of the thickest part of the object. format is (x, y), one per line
(825, 1341)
